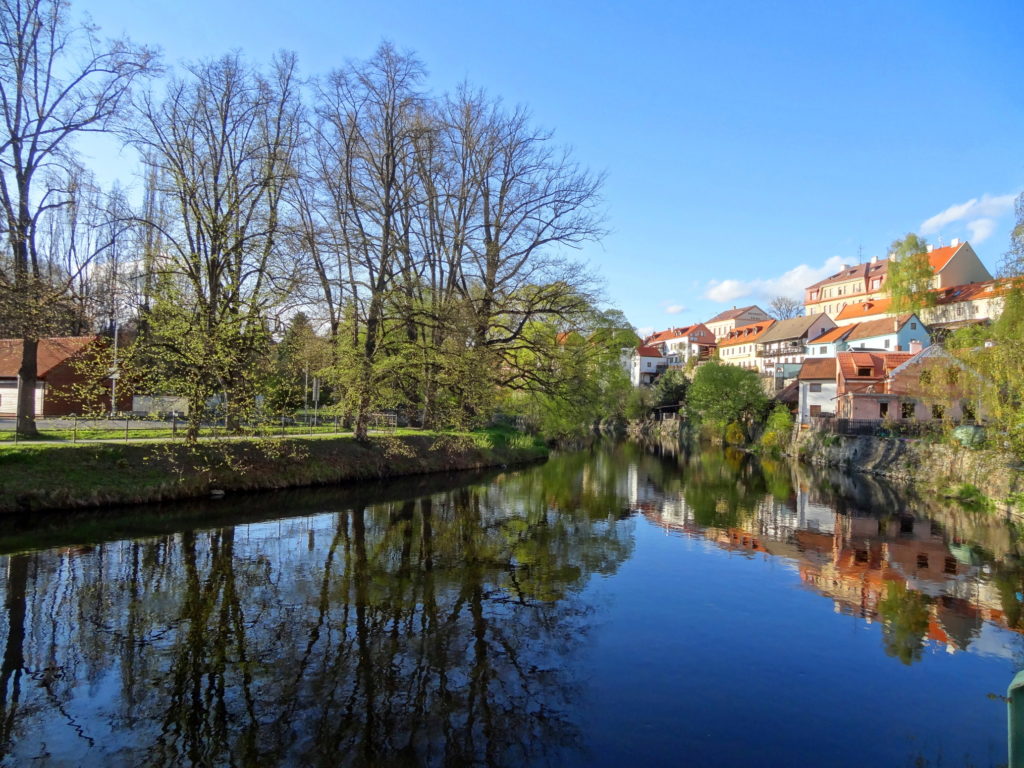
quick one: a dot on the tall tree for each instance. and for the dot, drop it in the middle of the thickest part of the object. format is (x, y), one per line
(369, 116)
(910, 275)
(57, 81)
(222, 143)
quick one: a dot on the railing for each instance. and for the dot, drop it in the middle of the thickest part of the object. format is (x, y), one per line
(874, 427)
(782, 352)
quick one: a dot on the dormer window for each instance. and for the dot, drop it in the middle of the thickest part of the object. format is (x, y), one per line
(863, 372)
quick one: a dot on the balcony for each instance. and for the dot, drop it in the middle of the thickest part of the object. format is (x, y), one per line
(785, 351)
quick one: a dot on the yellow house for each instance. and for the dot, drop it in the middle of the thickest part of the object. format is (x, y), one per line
(954, 264)
(739, 347)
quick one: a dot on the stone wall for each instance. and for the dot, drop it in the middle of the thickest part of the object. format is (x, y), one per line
(937, 467)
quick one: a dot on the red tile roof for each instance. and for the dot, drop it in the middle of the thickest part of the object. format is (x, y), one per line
(817, 368)
(645, 351)
(878, 363)
(52, 352)
(671, 333)
(939, 257)
(867, 308)
(746, 333)
(833, 334)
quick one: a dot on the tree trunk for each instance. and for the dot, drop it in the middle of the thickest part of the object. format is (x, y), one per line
(26, 410)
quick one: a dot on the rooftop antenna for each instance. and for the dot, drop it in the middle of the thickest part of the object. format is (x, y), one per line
(860, 253)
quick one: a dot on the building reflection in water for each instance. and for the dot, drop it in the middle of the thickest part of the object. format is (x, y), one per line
(929, 573)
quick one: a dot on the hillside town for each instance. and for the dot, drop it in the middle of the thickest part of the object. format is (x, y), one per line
(849, 355)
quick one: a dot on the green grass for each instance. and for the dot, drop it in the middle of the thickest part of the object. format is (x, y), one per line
(64, 476)
(87, 434)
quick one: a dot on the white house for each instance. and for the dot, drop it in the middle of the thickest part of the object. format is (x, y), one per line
(680, 345)
(644, 365)
(817, 393)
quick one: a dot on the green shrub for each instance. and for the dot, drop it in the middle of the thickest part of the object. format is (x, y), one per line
(734, 434)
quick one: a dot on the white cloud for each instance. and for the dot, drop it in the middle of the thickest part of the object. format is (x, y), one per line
(790, 283)
(977, 209)
(675, 309)
(644, 332)
(981, 229)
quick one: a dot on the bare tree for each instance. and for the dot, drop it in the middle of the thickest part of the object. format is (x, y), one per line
(784, 308)
(368, 121)
(56, 81)
(222, 144)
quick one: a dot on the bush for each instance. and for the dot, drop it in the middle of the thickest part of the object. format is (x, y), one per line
(778, 431)
(734, 434)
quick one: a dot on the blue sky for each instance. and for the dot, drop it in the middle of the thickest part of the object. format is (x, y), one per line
(750, 147)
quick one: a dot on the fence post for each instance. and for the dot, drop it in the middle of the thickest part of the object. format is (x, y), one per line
(174, 424)
(74, 437)
(126, 420)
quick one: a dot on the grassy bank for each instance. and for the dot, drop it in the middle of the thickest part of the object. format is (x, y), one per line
(50, 477)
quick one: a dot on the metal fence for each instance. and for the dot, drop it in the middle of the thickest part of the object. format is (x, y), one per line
(875, 428)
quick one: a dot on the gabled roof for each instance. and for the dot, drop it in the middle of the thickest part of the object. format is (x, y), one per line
(862, 309)
(817, 368)
(938, 258)
(746, 333)
(794, 328)
(645, 351)
(857, 271)
(668, 334)
(732, 314)
(52, 352)
(881, 327)
(833, 334)
(878, 363)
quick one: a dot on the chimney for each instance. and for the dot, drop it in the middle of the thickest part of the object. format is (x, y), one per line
(930, 248)
(915, 346)
(874, 259)
(892, 256)
(955, 242)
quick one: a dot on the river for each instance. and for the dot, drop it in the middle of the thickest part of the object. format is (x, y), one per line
(620, 605)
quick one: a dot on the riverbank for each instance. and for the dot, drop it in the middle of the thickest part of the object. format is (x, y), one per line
(980, 476)
(37, 478)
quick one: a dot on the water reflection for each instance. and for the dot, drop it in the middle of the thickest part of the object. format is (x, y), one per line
(418, 631)
(439, 620)
(928, 572)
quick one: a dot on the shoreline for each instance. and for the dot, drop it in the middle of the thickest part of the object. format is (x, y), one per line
(77, 477)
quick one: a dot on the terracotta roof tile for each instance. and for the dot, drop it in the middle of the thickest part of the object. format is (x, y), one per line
(645, 351)
(862, 309)
(746, 333)
(52, 352)
(834, 334)
(817, 368)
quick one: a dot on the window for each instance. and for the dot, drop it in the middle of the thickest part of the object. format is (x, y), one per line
(913, 326)
(883, 410)
(863, 372)
(937, 411)
(922, 561)
(815, 387)
(823, 349)
(887, 343)
(907, 410)
(815, 410)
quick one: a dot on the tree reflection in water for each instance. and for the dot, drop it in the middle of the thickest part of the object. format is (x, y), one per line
(436, 630)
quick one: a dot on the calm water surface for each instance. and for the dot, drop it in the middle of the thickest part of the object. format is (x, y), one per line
(615, 606)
